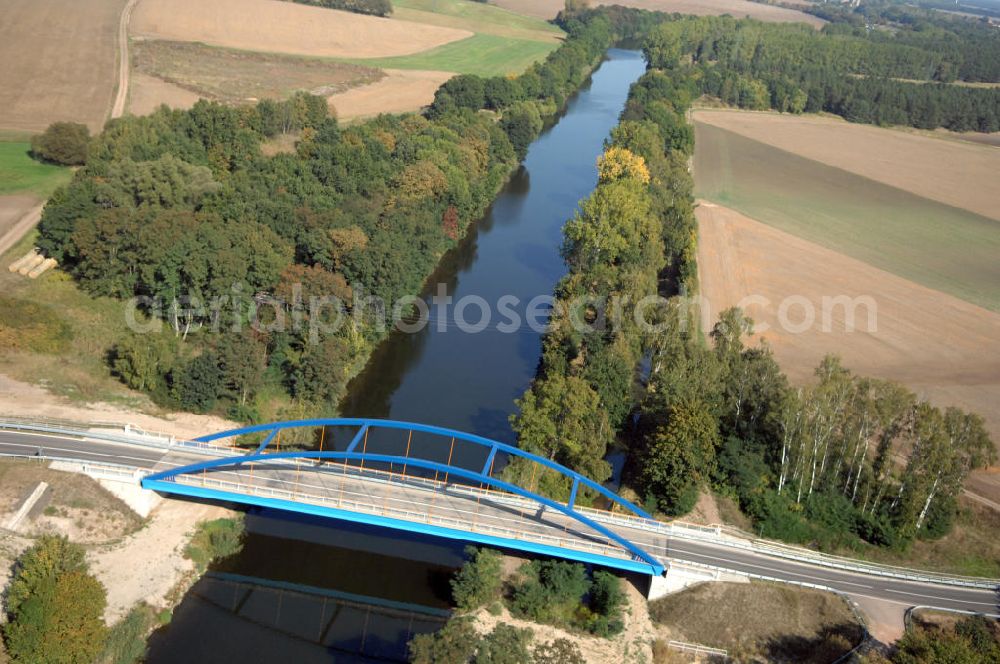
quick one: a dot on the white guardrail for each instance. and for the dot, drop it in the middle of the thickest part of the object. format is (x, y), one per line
(717, 535)
(698, 649)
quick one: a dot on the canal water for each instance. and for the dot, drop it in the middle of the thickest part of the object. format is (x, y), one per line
(305, 590)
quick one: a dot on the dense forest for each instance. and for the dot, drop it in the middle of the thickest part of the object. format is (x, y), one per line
(905, 77)
(184, 210)
(844, 461)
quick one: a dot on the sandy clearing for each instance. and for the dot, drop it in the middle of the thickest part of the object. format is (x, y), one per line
(286, 27)
(147, 93)
(147, 565)
(944, 349)
(401, 91)
(59, 62)
(740, 8)
(956, 173)
(19, 399)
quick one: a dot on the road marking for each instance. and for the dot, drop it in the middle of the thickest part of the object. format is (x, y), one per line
(818, 580)
(992, 605)
(79, 451)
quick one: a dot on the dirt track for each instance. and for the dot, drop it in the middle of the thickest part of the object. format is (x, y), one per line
(956, 173)
(18, 214)
(121, 96)
(286, 27)
(549, 8)
(58, 61)
(943, 348)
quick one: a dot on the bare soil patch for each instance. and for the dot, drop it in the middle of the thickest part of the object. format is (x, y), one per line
(74, 505)
(19, 399)
(952, 172)
(149, 565)
(401, 91)
(58, 62)
(739, 8)
(779, 623)
(147, 93)
(943, 348)
(285, 27)
(234, 76)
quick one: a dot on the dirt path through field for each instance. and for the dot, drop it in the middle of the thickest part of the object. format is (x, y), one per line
(944, 349)
(958, 173)
(118, 107)
(18, 215)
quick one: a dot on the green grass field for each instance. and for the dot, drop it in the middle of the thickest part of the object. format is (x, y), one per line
(20, 174)
(481, 54)
(930, 243)
(477, 17)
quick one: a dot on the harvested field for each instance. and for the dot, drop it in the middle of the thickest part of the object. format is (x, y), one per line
(951, 172)
(750, 620)
(233, 76)
(58, 62)
(147, 93)
(399, 92)
(548, 9)
(286, 27)
(930, 243)
(943, 348)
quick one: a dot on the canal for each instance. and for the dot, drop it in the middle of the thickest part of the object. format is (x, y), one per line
(310, 591)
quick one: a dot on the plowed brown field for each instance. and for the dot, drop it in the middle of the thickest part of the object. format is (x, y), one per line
(943, 348)
(57, 62)
(956, 173)
(286, 27)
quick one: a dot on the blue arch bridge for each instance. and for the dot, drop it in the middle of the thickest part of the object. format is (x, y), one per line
(406, 476)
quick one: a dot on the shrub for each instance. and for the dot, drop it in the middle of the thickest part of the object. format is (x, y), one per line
(456, 642)
(62, 143)
(215, 539)
(126, 643)
(560, 651)
(479, 580)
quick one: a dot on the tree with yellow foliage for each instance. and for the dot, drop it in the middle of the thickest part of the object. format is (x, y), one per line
(619, 163)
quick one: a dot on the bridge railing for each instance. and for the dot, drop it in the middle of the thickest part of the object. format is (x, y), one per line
(719, 535)
(353, 501)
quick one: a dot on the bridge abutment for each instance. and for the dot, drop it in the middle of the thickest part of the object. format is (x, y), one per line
(679, 576)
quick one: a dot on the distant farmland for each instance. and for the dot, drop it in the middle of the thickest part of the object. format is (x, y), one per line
(737, 8)
(953, 172)
(930, 243)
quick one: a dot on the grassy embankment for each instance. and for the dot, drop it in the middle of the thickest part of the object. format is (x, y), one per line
(760, 620)
(932, 244)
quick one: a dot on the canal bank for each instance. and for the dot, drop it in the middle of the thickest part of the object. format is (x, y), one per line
(304, 591)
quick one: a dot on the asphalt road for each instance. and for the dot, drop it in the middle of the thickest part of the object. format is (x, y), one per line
(489, 516)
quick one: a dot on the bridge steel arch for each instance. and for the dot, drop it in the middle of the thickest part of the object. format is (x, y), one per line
(640, 561)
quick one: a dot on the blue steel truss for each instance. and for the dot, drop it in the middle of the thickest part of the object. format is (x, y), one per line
(641, 560)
